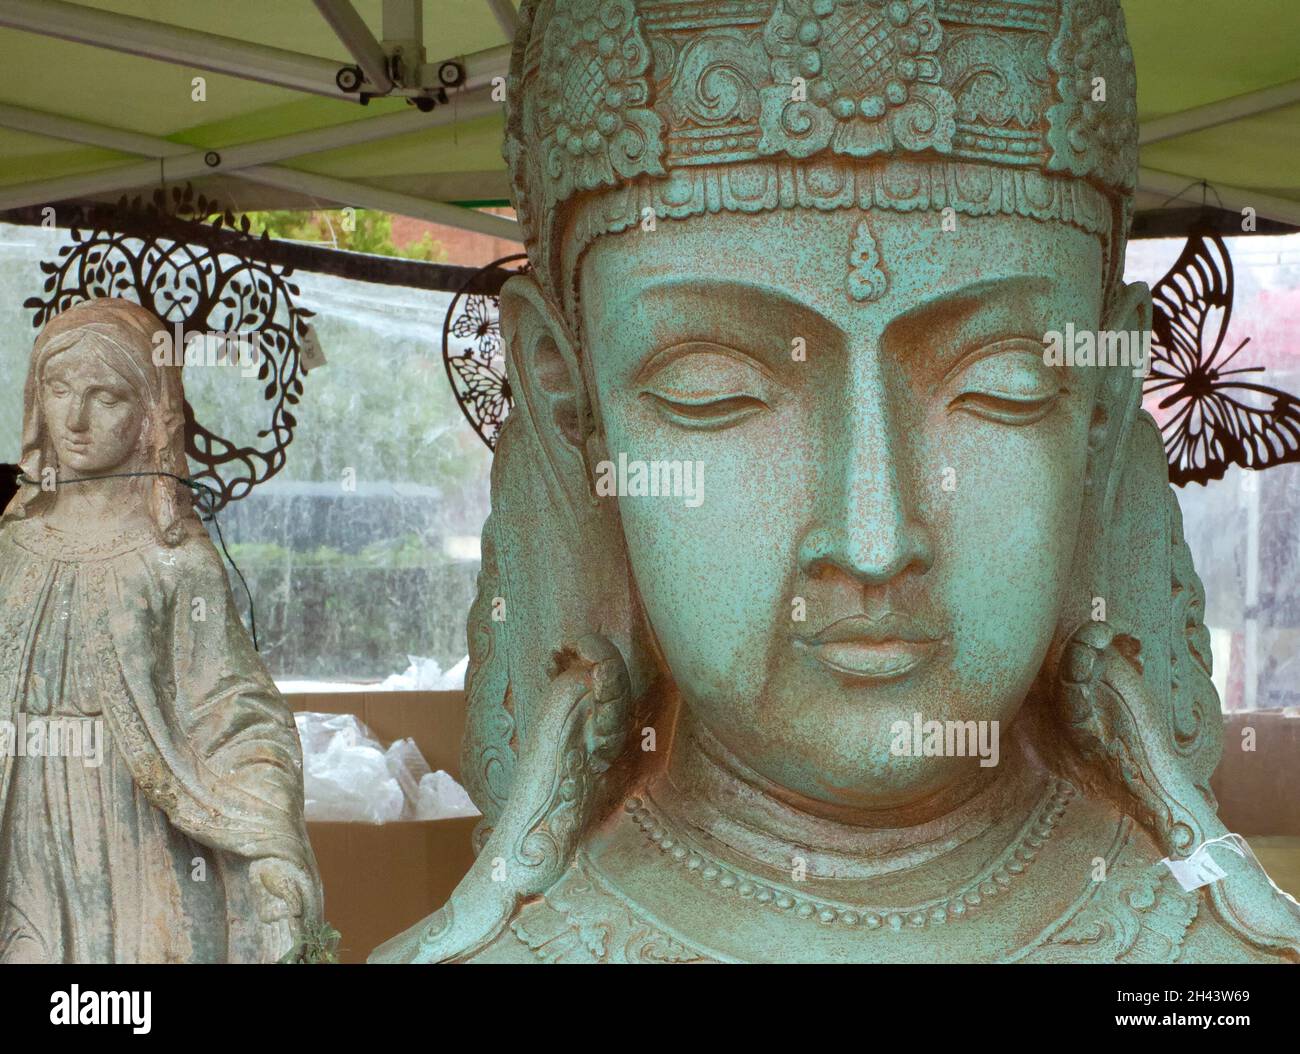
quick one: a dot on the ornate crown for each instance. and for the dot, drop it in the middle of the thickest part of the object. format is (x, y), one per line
(692, 106)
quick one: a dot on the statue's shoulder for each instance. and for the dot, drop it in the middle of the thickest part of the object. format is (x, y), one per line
(1129, 908)
(192, 564)
(195, 553)
(582, 919)
(1132, 909)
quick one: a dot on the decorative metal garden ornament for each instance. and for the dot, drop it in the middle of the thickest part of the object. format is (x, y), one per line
(1216, 418)
(214, 296)
(472, 353)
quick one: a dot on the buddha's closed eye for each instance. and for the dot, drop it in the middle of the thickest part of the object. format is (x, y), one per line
(706, 386)
(1007, 382)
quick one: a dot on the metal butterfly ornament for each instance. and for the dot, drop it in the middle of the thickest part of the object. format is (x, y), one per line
(1210, 418)
(476, 369)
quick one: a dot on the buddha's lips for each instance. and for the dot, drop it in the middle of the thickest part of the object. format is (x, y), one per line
(872, 648)
(888, 628)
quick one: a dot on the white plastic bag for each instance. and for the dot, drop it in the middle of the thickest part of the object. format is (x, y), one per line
(348, 776)
(441, 797)
(425, 675)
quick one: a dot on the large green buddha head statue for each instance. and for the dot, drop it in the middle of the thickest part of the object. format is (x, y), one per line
(823, 615)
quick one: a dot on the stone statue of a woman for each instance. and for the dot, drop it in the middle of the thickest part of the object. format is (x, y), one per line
(920, 673)
(151, 800)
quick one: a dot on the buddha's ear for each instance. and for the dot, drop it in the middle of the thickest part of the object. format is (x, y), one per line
(1119, 394)
(547, 382)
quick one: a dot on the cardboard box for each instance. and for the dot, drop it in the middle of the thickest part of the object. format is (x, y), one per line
(1258, 790)
(380, 879)
(435, 720)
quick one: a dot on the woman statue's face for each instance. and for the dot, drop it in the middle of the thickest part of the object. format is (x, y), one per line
(92, 415)
(891, 486)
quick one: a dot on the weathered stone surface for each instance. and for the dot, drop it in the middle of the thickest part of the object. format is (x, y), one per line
(180, 838)
(790, 483)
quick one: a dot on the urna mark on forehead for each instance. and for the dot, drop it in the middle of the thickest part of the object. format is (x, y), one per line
(837, 276)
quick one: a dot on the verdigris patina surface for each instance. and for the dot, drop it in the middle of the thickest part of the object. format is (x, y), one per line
(823, 617)
(151, 799)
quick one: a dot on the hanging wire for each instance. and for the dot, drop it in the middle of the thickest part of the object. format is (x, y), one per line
(1203, 184)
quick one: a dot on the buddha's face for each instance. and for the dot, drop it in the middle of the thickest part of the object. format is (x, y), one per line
(92, 415)
(892, 487)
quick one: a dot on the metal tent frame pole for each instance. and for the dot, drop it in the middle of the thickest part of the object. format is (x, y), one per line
(1213, 115)
(1225, 111)
(187, 47)
(210, 51)
(346, 192)
(355, 35)
(184, 162)
(507, 17)
(249, 160)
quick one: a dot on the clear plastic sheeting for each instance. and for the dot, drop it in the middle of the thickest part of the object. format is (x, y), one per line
(349, 776)
(439, 796)
(346, 775)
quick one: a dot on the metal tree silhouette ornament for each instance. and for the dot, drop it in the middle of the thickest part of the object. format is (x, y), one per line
(189, 262)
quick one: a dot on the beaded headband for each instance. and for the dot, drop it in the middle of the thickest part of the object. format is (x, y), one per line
(1021, 107)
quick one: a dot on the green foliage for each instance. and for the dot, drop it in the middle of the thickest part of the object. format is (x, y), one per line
(319, 944)
(403, 552)
(372, 232)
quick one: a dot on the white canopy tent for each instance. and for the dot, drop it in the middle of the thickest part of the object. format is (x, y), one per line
(102, 97)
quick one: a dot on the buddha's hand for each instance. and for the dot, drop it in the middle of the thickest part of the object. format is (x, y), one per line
(610, 697)
(283, 890)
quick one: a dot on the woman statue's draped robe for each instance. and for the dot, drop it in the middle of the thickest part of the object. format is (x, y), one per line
(145, 856)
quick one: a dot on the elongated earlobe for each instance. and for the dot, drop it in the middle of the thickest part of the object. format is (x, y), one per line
(1113, 443)
(543, 368)
(1119, 395)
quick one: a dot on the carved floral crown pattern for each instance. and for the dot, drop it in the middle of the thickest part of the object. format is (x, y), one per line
(1023, 106)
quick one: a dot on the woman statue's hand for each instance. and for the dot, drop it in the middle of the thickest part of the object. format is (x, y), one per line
(283, 890)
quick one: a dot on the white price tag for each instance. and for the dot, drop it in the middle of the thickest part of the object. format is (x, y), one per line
(311, 354)
(1196, 871)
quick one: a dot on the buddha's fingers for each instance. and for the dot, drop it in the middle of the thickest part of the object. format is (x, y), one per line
(580, 728)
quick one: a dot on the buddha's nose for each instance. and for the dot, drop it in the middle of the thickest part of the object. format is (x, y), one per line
(869, 527)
